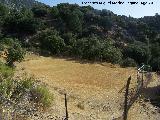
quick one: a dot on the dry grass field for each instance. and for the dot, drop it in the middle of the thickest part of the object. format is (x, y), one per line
(71, 73)
(92, 88)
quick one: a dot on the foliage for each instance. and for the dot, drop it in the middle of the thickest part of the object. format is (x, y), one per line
(50, 40)
(6, 71)
(21, 22)
(54, 12)
(129, 62)
(95, 48)
(27, 83)
(42, 96)
(67, 29)
(138, 53)
(6, 88)
(15, 53)
(15, 89)
(3, 10)
(72, 16)
(112, 54)
(39, 11)
(19, 4)
(7, 41)
(88, 48)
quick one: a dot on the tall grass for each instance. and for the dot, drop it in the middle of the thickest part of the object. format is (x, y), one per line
(6, 71)
(15, 91)
(42, 96)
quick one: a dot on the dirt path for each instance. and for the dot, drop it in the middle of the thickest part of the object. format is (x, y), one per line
(92, 89)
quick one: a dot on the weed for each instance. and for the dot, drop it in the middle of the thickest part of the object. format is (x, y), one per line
(42, 96)
(80, 105)
(7, 88)
(6, 71)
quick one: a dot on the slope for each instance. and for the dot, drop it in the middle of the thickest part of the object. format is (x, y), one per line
(92, 88)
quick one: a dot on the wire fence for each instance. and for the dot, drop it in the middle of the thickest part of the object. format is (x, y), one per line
(144, 77)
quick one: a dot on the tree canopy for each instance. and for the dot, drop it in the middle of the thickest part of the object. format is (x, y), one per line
(84, 32)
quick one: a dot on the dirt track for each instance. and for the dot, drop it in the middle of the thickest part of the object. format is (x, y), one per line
(92, 89)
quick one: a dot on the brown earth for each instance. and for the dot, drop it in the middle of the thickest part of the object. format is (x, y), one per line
(92, 89)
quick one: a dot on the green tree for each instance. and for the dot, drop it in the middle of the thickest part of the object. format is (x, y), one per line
(54, 12)
(51, 41)
(111, 54)
(129, 62)
(3, 10)
(40, 11)
(74, 23)
(72, 16)
(3, 13)
(136, 52)
(88, 48)
(21, 23)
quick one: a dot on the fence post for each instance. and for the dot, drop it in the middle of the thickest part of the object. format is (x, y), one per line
(125, 113)
(66, 107)
(142, 79)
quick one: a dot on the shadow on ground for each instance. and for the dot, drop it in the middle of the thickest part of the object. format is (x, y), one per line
(153, 95)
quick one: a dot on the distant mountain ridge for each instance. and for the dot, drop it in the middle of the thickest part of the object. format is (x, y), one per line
(18, 4)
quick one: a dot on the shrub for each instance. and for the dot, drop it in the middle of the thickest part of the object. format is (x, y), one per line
(51, 41)
(94, 48)
(16, 89)
(6, 71)
(88, 48)
(26, 84)
(15, 53)
(8, 41)
(129, 62)
(111, 54)
(39, 11)
(136, 52)
(42, 96)
(6, 88)
(54, 12)
(20, 23)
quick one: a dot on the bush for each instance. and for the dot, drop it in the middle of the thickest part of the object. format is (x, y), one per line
(16, 90)
(6, 88)
(6, 71)
(88, 48)
(42, 96)
(136, 52)
(26, 84)
(51, 41)
(129, 62)
(39, 11)
(8, 41)
(15, 53)
(20, 23)
(112, 54)
(54, 12)
(94, 48)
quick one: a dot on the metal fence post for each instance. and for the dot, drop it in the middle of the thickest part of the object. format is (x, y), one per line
(66, 107)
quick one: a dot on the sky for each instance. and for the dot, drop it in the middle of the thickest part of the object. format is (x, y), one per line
(136, 10)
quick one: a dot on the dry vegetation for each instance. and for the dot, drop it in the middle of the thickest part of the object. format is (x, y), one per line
(92, 88)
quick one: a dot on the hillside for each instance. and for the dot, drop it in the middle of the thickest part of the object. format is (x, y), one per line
(84, 52)
(83, 32)
(92, 89)
(18, 4)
